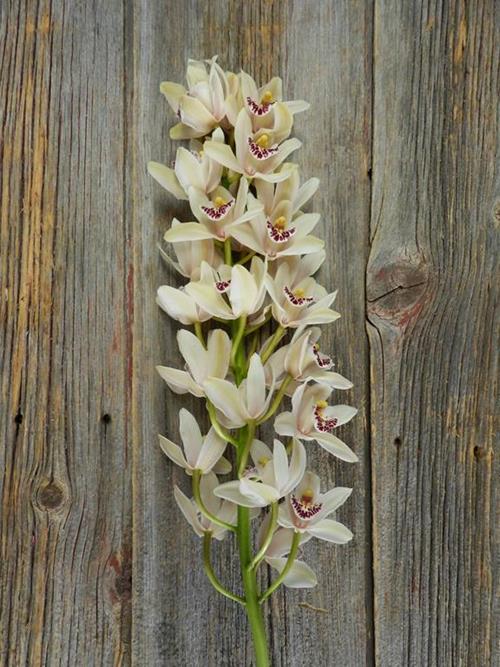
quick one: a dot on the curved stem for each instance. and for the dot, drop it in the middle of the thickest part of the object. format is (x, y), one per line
(268, 537)
(290, 561)
(243, 454)
(199, 333)
(239, 333)
(277, 400)
(212, 577)
(246, 257)
(220, 430)
(272, 343)
(201, 505)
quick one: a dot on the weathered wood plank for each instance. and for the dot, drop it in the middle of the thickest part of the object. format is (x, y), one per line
(64, 337)
(316, 47)
(430, 287)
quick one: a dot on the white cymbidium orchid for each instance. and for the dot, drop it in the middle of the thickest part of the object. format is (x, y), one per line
(192, 169)
(180, 305)
(190, 255)
(203, 453)
(303, 361)
(260, 102)
(245, 403)
(299, 301)
(201, 363)
(203, 105)
(222, 509)
(216, 215)
(257, 154)
(281, 229)
(306, 510)
(230, 292)
(300, 575)
(270, 478)
(312, 418)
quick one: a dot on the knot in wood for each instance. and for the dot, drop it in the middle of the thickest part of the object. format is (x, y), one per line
(396, 292)
(51, 496)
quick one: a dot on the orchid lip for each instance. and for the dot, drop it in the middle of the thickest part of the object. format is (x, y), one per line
(258, 109)
(323, 361)
(304, 510)
(279, 235)
(217, 212)
(297, 300)
(222, 285)
(261, 153)
(323, 425)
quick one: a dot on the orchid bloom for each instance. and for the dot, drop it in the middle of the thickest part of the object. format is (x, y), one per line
(261, 102)
(202, 106)
(299, 301)
(200, 453)
(306, 511)
(300, 574)
(216, 215)
(223, 510)
(201, 362)
(270, 478)
(244, 403)
(303, 361)
(280, 228)
(230, 292)
(191, 254)
(180, 305)
(312, 418)
(257, 154)
(192, 169)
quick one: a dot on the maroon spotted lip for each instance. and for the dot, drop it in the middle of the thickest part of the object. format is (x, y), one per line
(218, 212)
(323, 361)
(261, 153)
(323, 425)
(297, 300)
(279, 235)
(258, 109)
(305, 510)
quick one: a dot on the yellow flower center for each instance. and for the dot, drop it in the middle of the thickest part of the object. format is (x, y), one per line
(299, 293)
(219, 201)
(267, 97)
(321, 405)
(307, 496)
(263, 141)
(280, 223)
(263, 460)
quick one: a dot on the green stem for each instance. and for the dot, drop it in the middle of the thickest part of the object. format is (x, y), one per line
(238, 336)
(220, 430)
(199, 333)
(246, 257)
(212, 577)
(245, 450)
(277, 400)
(199, 501)
(272, 343)
(273, 519)
(228, 255)
(290, 561)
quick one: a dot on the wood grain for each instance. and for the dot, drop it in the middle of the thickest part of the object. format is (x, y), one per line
(97, 565)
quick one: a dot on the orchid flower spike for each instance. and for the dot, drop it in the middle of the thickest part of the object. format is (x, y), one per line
(222, 509)
(201, 362)
(300, 575)
(312, 418)
(306, 509)
(200, 453)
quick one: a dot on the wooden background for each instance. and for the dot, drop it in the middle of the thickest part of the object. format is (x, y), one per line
(97, 565)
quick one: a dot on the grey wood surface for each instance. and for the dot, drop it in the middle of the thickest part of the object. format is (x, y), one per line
(97, 567)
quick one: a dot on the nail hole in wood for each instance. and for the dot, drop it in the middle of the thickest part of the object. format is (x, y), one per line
(369, 173)
(51, 496)
(106, 418)
(479, 452)
(397, 442)
(19, 418)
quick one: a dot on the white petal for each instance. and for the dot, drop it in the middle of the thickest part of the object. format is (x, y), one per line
(305, 246)
(297, 106)
(177, 304)
(167, 179)
(188, 170)
(188, 232)
(222, 154)
(298, 463)
(195, 114)
(209, 299)
(336, 447)
(331, 531)
(212, 449)
(285, 424)
(243, 291)
(300, 574)
(179, 382)
(342, 413)
(173, 451)
(231, 491)
(219, 352)
(173, 93)
(226, 398)
(260, 494)
(190, 435)
(305, 192)
(255, 387)
(189, 510)
(333, 499)
(194, 355)
(223, 466)
(280, 461)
